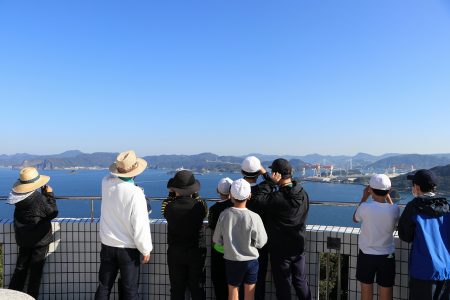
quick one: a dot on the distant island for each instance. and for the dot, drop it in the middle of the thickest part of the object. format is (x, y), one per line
(210, 162)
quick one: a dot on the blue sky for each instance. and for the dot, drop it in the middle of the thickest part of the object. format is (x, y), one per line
(229, 77)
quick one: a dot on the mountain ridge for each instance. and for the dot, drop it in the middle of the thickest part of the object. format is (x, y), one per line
(207, 161)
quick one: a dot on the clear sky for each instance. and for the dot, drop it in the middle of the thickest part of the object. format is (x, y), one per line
(229, 77)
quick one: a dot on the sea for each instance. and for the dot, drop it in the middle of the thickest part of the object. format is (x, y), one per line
(154, 182)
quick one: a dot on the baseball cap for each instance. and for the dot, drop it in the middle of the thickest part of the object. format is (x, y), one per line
(251, 166)
(224, 185)
(282, 166)
(380, 182)
(240, 189)
(423, 178)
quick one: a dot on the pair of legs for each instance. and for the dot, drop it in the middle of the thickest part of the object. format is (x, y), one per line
(239, 272)
(218, 275)
(113, 260)
(287, 271)
(186, 268)
(429, 289)
(249, 292)
(263, 260)
(382, 267)
(385, 293)
(33, 260)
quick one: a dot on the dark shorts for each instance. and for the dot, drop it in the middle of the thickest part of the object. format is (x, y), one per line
(239, 272)
(383, 266)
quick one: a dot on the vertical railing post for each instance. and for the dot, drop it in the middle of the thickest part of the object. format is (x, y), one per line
(327, 276)
(318, 276)
(92, 210)
(339, 277)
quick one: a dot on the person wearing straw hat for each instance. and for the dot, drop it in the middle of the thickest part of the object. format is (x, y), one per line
(185, 211)
(35, 208)
(124, 227)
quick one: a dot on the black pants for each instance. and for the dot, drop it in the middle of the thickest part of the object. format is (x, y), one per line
(429, 289)
(263, 259)
(218, 275)
(33, 260)
(112, 260)
(186, 268)
(287, 270)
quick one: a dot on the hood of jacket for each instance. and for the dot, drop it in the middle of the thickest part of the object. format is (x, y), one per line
(15, 198)
(432, 206)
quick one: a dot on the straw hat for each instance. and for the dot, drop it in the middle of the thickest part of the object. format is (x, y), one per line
(29, 180)
(128, 165)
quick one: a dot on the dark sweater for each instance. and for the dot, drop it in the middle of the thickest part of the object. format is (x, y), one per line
(215, 211)
(285, 209)
(185, 217)
(32, 218)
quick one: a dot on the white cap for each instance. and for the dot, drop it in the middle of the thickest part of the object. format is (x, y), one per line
(240, 189)
(224, 185)
(380, 182)
(251, 166)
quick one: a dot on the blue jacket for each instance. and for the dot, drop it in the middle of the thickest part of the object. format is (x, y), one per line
(426, 223)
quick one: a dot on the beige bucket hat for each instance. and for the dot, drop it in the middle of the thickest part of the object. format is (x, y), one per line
(128, 165)
(29, 180)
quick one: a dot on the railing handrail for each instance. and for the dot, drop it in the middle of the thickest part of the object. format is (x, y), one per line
(209, 199)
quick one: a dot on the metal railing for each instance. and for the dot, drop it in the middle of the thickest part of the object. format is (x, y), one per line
(92, 200)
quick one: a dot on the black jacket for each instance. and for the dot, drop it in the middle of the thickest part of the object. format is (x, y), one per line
(255, 206)
(215, 211)
(185, 217)
(286, 209)
(32, 218)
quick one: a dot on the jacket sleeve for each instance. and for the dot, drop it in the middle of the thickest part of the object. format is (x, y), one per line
(406, 225)
(261, 197)
(164, 205)
(259, 235)
(203, 208)
(212, 218)
(49, 208)
(141, 224)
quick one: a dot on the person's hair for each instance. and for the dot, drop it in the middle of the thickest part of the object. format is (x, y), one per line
(426, 188)
(380, 192)
(240, 201)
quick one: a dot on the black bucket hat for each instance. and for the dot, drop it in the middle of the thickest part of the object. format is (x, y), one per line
(184, 183)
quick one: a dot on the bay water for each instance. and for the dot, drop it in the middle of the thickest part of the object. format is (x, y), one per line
(154, 182)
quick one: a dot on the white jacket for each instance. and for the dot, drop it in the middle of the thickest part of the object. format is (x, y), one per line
(124, 221)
